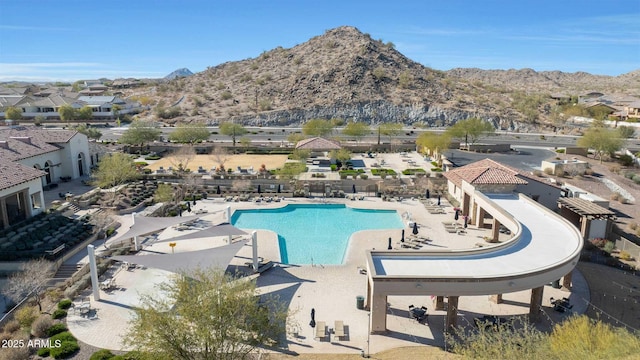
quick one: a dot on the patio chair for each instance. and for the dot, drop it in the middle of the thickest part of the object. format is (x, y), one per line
(321, 330)
(338, 329)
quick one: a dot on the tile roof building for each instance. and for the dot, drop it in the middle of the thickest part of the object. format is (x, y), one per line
(32, 159)
(492, 177)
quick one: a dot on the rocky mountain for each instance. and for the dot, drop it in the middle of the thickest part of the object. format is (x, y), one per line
(552, 81)
(346, 74)
(180, 73)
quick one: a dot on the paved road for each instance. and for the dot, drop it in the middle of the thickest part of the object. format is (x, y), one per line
(524, 158)
(280, 134)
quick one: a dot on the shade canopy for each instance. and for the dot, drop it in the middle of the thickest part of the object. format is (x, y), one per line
(218, 257)
(144, 225)
(224, 229)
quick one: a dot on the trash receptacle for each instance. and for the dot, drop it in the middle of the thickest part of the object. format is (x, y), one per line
(360, 302)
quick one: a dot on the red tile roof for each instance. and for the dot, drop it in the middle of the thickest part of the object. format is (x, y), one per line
(22, 142)
(318, 143)
(487, 171)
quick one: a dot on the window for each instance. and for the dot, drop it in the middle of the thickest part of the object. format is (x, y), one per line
(35, 201)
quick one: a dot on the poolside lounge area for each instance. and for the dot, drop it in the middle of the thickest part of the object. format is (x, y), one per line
(329, 289)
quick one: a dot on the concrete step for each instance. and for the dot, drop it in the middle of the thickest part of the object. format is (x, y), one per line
(66, 271)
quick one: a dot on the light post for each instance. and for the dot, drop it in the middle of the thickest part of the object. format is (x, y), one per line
(368, 333)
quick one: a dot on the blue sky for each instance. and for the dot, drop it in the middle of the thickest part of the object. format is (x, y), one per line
(43, 40)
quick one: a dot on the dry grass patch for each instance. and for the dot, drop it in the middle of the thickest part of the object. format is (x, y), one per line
(232, 162)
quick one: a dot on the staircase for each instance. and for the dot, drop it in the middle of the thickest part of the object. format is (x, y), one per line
(66, 271)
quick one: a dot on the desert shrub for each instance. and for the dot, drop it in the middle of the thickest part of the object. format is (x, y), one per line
(56, 329)
(26, 316)
(64, 304)
(502, 342)
(625, 160)
(63, 336)
(537, 173)
(615, 168)
(615, 196)
(21, 352)
(59, 314)
(548, 171)
(43, 352)
(40, 326)
(364, 176)
(588, 171)
(633, 226)
(55, 294)
(625, 256)
(609, 246)
(636, 178)
(560, 151)
(12, 326)
(102, 354)
(585, 338)
(152, 157)
(65, 350)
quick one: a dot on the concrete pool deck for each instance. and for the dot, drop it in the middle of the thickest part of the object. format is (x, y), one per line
(329, 289)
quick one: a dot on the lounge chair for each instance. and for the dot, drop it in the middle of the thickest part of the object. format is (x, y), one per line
(321, 330)
(338, 329)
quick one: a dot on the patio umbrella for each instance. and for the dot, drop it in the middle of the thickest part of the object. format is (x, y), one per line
(428, 194)
(278, 188)
(218, 191)
(313, 318)
(389, 247)
(353, 187)
(402, 237)
(415, 228)
(455, 217)
(259, 189)
(438, 199)
(466, 219)
(188, 206)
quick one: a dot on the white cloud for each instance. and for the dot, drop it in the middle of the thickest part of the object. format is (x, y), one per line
(66, 71)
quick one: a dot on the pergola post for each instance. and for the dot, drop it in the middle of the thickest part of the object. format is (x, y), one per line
(566, 280)
(496, 299)
(495, 230)
(93, 268)
(254, 248)
(438, 303)
(452, 313)
(535, 304)
(378, 314)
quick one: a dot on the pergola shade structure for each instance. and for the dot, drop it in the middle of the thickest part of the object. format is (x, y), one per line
(592, 219)
(224, 229)
(544, 247)
(219, 257)
(144, 225)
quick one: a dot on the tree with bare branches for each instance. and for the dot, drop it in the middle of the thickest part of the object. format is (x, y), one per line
(181, 158)
(31, 280)
(220, 155)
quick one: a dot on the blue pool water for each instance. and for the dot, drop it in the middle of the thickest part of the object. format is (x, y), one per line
(314, 233)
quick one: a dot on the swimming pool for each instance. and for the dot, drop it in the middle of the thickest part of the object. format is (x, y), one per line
(315, 233)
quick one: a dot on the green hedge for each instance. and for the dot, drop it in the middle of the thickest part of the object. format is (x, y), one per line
(413, 171)
(56, 329)
(65, 350)
(59, 314)
(64, 304)
(378, 172)
(102, 354)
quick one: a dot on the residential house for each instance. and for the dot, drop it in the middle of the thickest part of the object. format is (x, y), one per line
(31, 159)
(492, 177)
